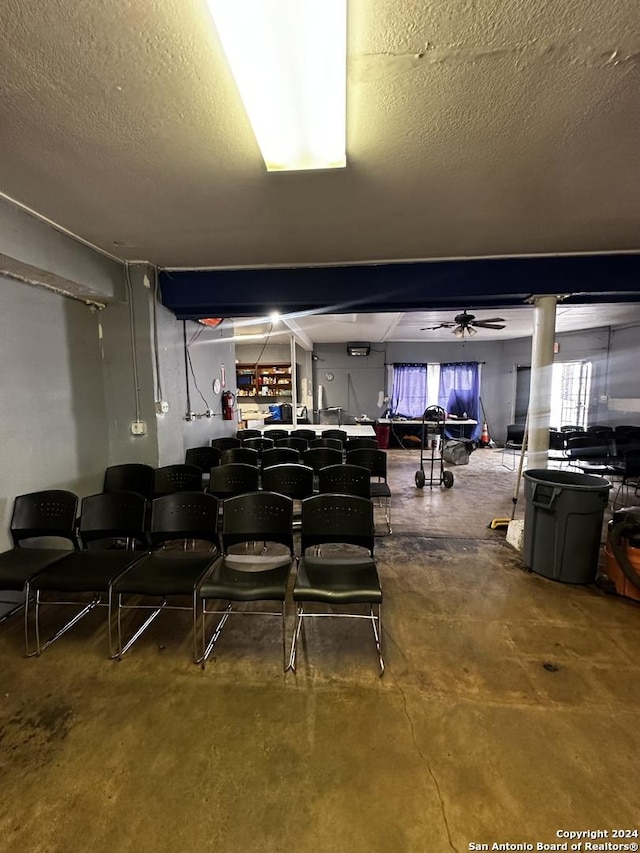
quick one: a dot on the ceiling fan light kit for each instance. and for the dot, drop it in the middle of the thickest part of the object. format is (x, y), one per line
(466, 324)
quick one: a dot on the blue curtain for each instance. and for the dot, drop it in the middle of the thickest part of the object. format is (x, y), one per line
(460, 393)
(409, 393)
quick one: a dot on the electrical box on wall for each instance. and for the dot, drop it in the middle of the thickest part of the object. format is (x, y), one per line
(359, 348)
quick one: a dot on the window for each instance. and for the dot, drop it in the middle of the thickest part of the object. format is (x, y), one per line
(570, 393)
(415, 386)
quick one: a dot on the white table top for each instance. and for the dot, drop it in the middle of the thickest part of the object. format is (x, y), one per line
(418, 422)
(352, 430)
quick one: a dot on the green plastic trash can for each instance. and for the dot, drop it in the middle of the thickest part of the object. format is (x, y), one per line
(563, 524)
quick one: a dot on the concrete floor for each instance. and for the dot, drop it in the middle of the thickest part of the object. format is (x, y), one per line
(508, 711)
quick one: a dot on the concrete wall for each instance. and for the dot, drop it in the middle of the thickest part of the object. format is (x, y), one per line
(212, 355)
(615, 393)
(53, 415)
(623, 376)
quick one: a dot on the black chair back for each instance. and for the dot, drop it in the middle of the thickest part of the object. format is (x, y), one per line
(307, 434)
(334, 443)
(332, 518)
(245, 455)
(235, 478)
(276, 434)
(293, 480)
(184, 515)
(176, 478)
(204, 458)
(112, 515)
(260, 444)
(50, 513)
(130, 477)
(258, 517)
(340, 434)
(244, 434)
(225, 442)
(320, 457)
(345, 480)
(361, 443)
(297, 443)
(279, 456)
(374, 460)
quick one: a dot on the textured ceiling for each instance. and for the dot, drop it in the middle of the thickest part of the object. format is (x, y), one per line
(474, 128)
(401, 326)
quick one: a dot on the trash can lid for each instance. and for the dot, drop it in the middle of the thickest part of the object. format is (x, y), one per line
(567, 479)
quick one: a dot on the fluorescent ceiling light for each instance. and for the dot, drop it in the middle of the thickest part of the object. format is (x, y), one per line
(289, 60)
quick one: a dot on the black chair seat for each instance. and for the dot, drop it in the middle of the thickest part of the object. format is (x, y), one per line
(380, 490)
(338, 581)
(165, 573)
(20, 564)
(85, 571)
(263, 579)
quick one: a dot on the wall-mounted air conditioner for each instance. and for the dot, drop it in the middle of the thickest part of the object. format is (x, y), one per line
(358, 348)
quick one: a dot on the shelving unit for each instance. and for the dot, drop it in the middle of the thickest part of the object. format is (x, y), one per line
(270, 381)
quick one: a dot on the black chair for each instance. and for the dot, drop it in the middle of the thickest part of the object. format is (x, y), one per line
(130, 477)
(38, 520)
(603, 432)
(307, 434)
(176, 478)
(103, 518)
(279, 456)
(236, 478)
(204, 458)
(225, 442)
(333, 443)
(345, 480)
(260, 444)
(276, 434)
(337, 578)
(589, 449)
(361, 443)
(185, 519)
(320, 457)
(257, 519)
(557, 447)
(572, 428)
(513, 443)
(376, 462)
(297, 443)
(291, 479)
(340, 434)
(244, 455)
(244, 434)
(630, 473)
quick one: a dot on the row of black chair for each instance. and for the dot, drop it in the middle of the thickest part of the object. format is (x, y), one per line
(299, 440)
(232, 478)
(173, 566)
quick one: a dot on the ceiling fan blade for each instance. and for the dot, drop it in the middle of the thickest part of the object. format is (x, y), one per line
(489, 320)
(486, 324)
(440, 326)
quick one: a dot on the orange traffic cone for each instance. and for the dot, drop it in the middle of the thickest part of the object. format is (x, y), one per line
(485, 438)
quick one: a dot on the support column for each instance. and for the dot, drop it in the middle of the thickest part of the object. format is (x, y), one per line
(294, 382)
(544, 328)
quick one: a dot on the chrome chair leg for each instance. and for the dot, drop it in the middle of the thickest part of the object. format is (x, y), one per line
(296, 636)
(377, 634)
(216, 634)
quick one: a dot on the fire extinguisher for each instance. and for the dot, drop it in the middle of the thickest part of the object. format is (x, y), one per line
(228, 402)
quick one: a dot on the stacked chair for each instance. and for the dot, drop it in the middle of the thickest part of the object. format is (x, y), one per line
(39, 520)
(253, 521)
(105, 519)
(337, 578)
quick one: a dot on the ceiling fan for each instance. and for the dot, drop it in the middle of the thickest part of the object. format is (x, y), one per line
(466, 324)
